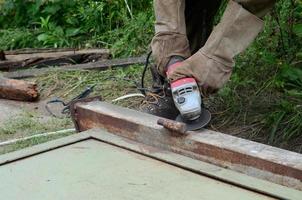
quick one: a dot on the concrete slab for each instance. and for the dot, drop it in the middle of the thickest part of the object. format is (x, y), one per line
(94, 170)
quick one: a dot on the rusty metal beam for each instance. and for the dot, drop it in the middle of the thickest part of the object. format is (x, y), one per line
(258, 160)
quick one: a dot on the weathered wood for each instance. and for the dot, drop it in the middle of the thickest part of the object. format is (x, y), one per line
(2, 55)
(18, 90)
(38, 50)
(100, 65)
(44, 59)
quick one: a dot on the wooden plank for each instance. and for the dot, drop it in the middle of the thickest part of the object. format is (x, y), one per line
(21, 61)
(99, 65)
(55, 54)
(18, 90)
(2, 55)
(258, 160)
(38, 50)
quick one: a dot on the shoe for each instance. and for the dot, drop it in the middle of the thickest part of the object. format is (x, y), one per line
(158, 100)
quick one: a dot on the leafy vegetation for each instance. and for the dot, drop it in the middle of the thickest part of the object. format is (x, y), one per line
(263, 100)
(87, 23)
(265, 94)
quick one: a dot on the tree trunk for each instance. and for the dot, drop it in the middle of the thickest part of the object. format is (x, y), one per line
(18, 90)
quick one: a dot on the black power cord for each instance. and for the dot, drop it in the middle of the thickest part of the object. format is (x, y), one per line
(143, 89)
(66, 109)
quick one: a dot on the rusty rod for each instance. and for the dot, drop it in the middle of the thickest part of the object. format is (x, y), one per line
(171, 125)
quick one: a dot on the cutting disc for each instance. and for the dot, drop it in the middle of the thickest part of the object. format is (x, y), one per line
(199, 123)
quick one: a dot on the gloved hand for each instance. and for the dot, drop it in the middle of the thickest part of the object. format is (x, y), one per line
(212, 65)
(209, 74)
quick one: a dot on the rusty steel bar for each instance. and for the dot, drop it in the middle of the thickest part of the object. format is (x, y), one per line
(261, 161)
(173, 125)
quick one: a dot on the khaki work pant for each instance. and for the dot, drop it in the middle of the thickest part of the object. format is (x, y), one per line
(183, 27)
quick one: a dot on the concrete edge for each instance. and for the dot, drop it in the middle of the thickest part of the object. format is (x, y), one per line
(251, 158)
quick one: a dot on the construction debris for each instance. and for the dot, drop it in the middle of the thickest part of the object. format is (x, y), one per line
(18, 90)
(43, 58)
(171, 125)
(100, 65)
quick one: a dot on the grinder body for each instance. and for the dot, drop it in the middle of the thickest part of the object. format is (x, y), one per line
(187, 98)
(185, 93)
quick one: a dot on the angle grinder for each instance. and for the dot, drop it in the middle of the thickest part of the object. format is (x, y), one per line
(187, 99)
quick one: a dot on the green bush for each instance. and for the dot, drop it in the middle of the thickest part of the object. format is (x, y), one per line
(69, 23)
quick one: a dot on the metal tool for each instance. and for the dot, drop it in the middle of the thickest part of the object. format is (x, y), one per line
(188, 101)
(66, 106)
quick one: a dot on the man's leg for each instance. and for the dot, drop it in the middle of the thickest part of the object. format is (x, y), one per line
(175, 21)
(199, 21)
(212, 65)
(257, 7)
(170, 32)
(170, 40)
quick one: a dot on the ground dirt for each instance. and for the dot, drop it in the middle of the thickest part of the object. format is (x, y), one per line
(110, 84)
(10, 109)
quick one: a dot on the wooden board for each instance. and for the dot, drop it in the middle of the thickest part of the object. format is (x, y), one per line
(99, 65)
(51, 58)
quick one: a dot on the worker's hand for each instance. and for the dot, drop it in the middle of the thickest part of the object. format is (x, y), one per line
(209, 74)
(167, 44)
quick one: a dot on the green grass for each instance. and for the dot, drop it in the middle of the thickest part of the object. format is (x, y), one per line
(30, 123)
(110, 84)
(18, 38)
(29, 143)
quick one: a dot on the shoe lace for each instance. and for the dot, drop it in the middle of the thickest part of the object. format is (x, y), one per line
(152, 98)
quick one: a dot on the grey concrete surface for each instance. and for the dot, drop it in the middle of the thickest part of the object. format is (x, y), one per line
(95, 170)
(9, 109)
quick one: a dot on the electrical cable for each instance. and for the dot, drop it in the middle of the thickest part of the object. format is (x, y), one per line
(143, 89)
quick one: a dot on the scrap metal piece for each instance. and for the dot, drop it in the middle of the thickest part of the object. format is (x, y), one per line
(171, 125)
(73, 109)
